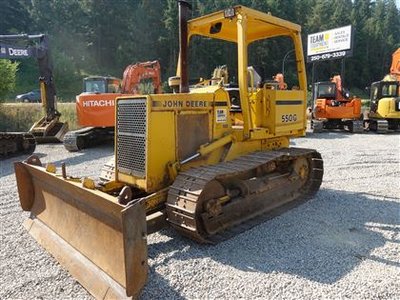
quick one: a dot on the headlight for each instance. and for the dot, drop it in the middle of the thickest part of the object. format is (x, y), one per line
(229, 12)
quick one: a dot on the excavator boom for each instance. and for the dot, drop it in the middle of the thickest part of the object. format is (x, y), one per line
(395, 67)
(136, 73)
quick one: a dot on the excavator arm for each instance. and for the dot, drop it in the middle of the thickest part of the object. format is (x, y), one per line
(395, 67)
(134, 74)
(39, 51)
(23, 46)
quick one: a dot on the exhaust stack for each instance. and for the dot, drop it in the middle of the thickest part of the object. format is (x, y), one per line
(184, 8)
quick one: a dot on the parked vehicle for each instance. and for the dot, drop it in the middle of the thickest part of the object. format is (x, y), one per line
(31, 97)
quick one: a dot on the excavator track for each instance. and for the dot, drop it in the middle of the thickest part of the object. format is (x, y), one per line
(357, 126)
(74, 141)
(354, 126)
(382, 126)
(213, 203)
(87, 137)
(378, 126)
(317, 126)
(16, 143)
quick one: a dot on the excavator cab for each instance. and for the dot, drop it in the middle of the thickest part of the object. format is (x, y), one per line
(101, 84)
(384, 91)
(325, 90)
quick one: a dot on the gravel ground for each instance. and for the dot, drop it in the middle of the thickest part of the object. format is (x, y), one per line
(344, 243)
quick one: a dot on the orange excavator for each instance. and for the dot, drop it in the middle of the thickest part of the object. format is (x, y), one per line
(95, 106)
(334, 109)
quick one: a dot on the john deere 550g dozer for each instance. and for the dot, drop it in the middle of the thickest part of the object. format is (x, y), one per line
(180, 158)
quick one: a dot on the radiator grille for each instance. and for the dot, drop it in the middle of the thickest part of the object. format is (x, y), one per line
(131, 136)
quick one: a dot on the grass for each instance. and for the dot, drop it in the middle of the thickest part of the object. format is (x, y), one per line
(21, 116)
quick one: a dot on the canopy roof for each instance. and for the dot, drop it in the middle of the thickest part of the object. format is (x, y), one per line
(259, 25)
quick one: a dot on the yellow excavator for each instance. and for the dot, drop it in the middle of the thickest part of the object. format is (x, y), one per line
(181, 159)
(384, 111)
(49, 128)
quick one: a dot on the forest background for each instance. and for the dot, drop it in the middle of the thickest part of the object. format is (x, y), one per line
(102, 37)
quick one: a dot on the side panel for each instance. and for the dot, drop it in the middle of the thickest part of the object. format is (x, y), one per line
(286, 112)
(192, 132)
(169, 129)
(96, 110)
(350, 110)
(160, 148)
(389, 108)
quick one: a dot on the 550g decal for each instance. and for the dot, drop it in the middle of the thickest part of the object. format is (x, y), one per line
(289, 118)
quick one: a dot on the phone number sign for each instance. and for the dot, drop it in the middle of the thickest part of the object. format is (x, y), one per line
(331, 44)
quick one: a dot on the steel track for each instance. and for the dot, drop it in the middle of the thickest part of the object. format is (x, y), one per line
(16, 143)
(185, 202)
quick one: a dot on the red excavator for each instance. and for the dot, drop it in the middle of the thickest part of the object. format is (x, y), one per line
(334, 109)
(95, 106)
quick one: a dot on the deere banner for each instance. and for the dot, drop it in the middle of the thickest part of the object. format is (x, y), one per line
(7, 51)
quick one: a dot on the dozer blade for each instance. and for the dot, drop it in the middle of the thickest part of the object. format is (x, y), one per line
(101, 243)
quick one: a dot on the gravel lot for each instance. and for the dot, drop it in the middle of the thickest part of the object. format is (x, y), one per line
(344, 243)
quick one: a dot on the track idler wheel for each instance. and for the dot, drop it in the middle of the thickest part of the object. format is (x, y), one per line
(301, 168)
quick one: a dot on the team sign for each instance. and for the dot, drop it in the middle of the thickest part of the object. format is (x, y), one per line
(330, 44)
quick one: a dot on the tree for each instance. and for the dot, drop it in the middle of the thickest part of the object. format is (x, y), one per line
(101, 37)
(8, 71)
(14, 16)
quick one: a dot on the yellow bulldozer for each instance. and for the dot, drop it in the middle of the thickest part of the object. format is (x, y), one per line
(183, 159)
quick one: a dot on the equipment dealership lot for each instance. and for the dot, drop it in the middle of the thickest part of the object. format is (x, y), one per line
(344, 243)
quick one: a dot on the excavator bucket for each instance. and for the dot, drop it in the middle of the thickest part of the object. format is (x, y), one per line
(52, 131)
(102, 243)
